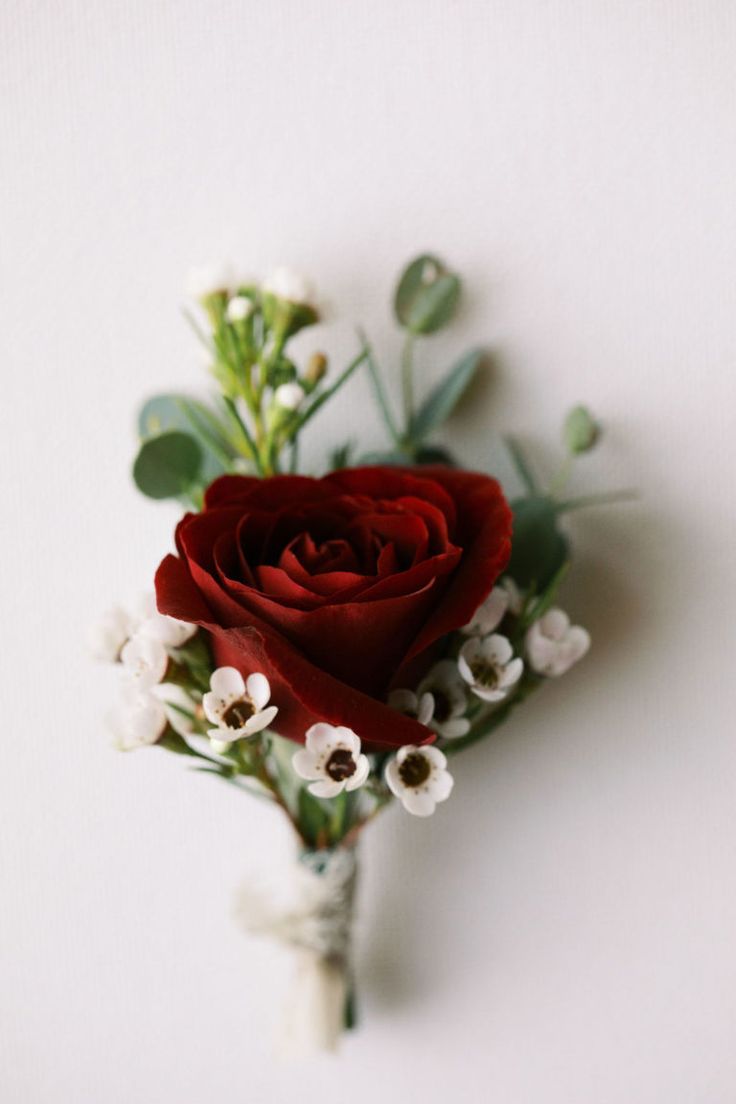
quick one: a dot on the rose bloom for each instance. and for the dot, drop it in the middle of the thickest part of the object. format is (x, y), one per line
(338, 589)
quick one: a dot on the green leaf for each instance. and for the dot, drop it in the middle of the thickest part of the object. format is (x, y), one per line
(538, 548)
(387, 459)
(340, 456)
(426, 296)
(162, 413)
(313, 819)
(434, 454)
(442, 400)
(521, 464)
(168, 466)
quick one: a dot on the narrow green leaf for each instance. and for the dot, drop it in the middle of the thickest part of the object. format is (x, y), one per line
(442, 400)
(167, 466)
(322, 398)
(521, 464)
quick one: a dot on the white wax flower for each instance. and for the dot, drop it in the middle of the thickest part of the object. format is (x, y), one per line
(145, 661)
(489, 614)
(331, 760)
(138, 722)
(449, 700)
(239, 707)
(107, 638)
(553, 645)
(418, 776)
(171, 632)
(289, 396)
(209, 279)
(419, 706)
(239, 308)
(488, 666)
(286, 283)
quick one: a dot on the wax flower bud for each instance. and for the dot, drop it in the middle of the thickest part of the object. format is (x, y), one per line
(316, 369)
(580, 431)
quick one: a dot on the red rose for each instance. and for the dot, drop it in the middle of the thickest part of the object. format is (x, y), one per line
(338, 588)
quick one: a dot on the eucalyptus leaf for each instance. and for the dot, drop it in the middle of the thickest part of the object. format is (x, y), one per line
(538, 548)
(442, 400)
(426, 296)
(168, 466)
(165, 412)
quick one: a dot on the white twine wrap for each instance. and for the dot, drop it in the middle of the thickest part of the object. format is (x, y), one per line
(316, 922)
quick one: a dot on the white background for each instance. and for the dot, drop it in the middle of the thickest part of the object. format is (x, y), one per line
(563, 929)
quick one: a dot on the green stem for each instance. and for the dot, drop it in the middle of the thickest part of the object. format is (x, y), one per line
(380, 392)
(407, 381)
(250, 450)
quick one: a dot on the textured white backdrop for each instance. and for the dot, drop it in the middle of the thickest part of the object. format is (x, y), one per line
(563, 930)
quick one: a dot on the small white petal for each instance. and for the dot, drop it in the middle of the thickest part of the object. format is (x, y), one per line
(362, 770)
(418, 804)
(487, 694)
(227, 683)
(305, 764)
(208, 279)
(435, 756)
(555, 624)
(320, 737)
(497, 649)
(107, 638)
(511, 673)
(454, 728)
(393, 778)
(168, 630)
(425, 709)
(326, 788)
(140, 723)
(258, 689)
(145, 661)
(440, 785)
(213, 707)
(346, 738)
(489, 614)
(259, 721)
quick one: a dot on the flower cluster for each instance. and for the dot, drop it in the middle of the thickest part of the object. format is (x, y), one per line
(144, 642)
(332, 642)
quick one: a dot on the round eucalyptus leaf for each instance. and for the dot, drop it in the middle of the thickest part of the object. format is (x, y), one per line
(167, 466)
(426, 296)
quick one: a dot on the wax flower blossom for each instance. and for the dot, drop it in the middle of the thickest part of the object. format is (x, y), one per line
(418, 776)
(239, 707)
(489, 666)
(331, 641)
(449, 700)
(553, 645)
(331, 760)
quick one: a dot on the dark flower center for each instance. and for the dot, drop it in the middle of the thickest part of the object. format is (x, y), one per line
(415, 769)
(484, 674)
(238, 714)
(442, 706)
(340, 765)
